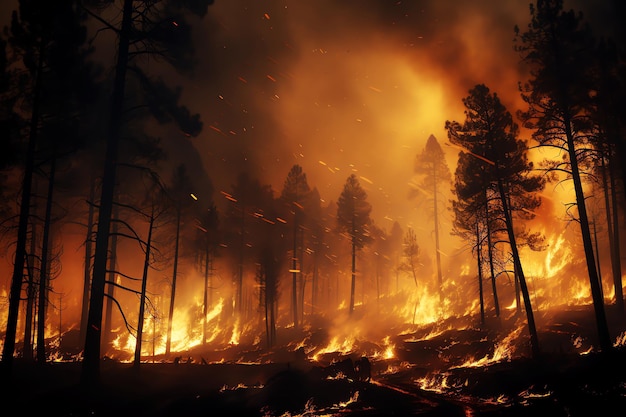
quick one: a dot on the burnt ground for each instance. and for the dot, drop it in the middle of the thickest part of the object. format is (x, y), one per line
(427, 377)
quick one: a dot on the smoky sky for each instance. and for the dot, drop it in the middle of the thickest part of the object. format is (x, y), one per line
(342, 87)
(349, 86)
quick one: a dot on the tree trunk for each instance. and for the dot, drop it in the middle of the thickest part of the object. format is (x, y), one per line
(353, 282)
(31, 294)
(142, 299)
(170, 315)
(110, 289)
(616, 262)
(530, 318)
(239, 289)
(496, 303)
(91, 362)
(596, 292)
(87, 270)
(267, 322)
(44, 270)
(314, 284)
(437, 249)
(480, 274)
(301, 275)
(294, 268)
(205, 306)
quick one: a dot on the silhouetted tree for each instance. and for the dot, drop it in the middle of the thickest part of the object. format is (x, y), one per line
(490, 135)
(431, 165)
(608, 106)
(270, 254)
(468, 209)
(557, 48)
(411, 253)
(207, 235)
(294, 194)
(156, 213)
(49, 39)
(315, 223)
(245, 214)
(179, 192)
(353, 217)
(146, 27)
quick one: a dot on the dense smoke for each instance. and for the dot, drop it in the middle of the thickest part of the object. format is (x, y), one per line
(343, 86)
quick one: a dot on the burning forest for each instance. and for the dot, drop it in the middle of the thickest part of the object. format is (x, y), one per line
(281, 208)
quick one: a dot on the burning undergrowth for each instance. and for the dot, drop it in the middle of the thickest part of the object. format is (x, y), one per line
(454, 366)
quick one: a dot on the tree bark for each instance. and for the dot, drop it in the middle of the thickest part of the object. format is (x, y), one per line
(44, 271)
(170, 315)
(110, 289)
(480, 275)
(494, 289)
(353, 282)
(615, 247)
(437, 250)
(604, 338)
(87, 270)
(530, 318)
(142, 299)
(91, 361)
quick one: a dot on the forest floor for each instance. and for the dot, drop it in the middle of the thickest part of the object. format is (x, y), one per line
(425, 378)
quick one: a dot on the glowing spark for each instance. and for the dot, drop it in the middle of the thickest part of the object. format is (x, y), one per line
(193, 196)
(243, 80)
(281, 220)
(482, 158)
(322, 163)
(175, 23)
(375, 89)
(267, 16)
(294, 271)
(217, 129)
(366, 179)
(228, 196)
(529, 211)
(271, 78)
